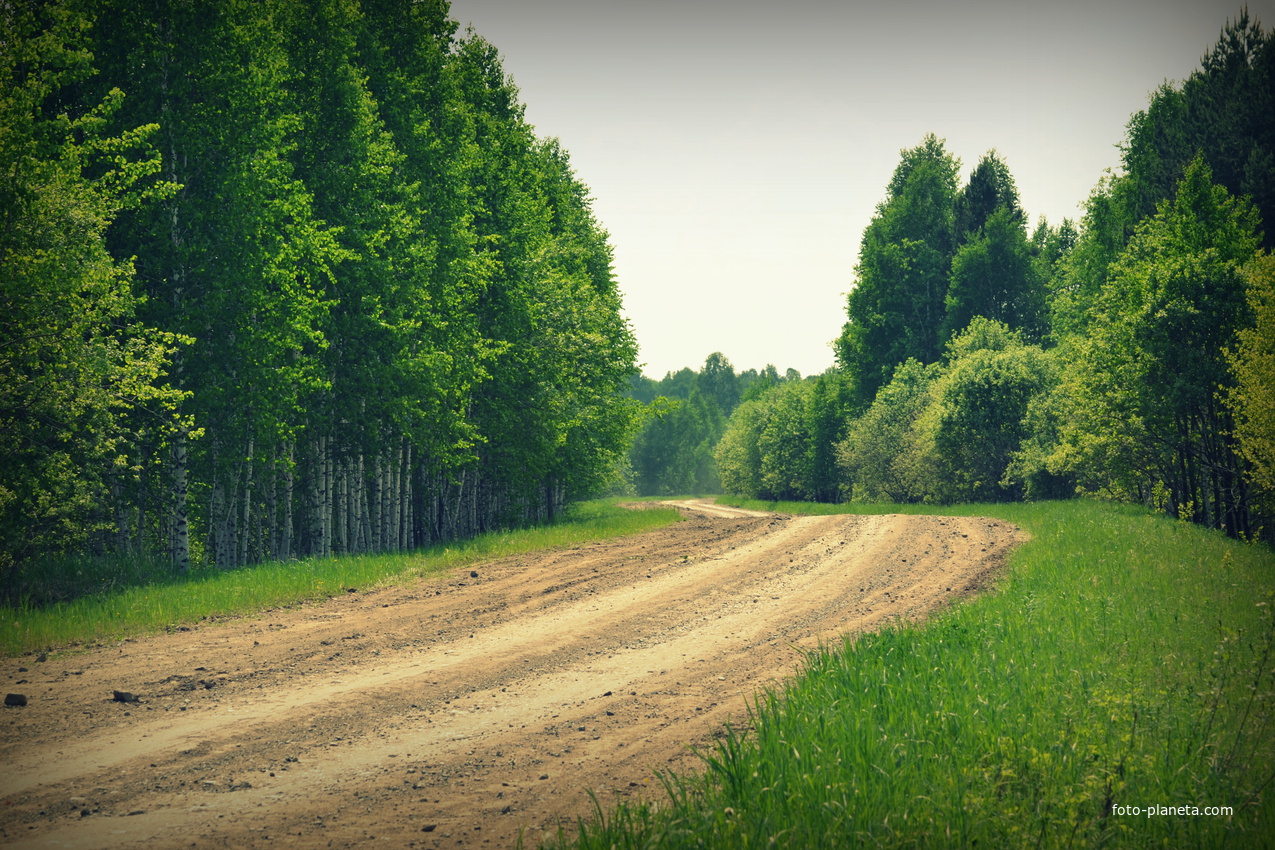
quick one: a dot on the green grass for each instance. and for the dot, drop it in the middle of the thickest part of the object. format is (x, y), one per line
(1126, 660)
(118, 598)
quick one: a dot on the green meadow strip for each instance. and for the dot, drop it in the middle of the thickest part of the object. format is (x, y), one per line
(165, 603)
(1117, 685)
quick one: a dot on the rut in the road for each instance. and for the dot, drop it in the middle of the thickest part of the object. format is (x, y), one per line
(478, 707)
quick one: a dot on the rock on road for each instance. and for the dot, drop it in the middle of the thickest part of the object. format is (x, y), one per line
(460, 711)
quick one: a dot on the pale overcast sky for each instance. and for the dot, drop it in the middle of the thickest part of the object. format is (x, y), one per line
(736, 150)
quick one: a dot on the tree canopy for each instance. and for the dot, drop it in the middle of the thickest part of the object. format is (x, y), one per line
(1126, 355)
(897, 305)
(321, 288)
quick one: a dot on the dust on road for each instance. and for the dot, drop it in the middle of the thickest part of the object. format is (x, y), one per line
(466, 711)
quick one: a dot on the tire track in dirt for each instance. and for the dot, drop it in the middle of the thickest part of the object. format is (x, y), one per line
(465, 711)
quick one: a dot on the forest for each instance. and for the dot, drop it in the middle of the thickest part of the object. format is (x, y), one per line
(288, 278)
(1127, 356)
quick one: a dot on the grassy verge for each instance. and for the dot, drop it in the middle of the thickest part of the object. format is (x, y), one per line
(156, 600)
(1126, 661)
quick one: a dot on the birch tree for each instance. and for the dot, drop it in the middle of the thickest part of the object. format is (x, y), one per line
(81, 378)
(1147, 422)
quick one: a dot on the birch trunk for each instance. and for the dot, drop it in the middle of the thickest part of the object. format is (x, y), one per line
(213, 544)
(374, 500)
(179, 552)
(405, 535)
(121, 512)
(342, 538)
(315, 502)
(229, 542)
(245, 529)
(140, 539)
(365, 508)
(451, 507)
(471, 512)
(396, 504)
(386, 473)
(391, 500)
(327, 496)
(272, 506)
(356, 504)
(179, 543)
(285, 549)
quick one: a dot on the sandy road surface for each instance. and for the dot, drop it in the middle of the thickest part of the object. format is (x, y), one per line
(458, 712)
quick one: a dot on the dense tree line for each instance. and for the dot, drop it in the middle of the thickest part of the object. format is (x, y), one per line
(685, 416)
(1129, 355)
(779, 443)
(288, 277)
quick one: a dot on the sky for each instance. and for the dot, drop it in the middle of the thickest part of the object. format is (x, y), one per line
(736, 150)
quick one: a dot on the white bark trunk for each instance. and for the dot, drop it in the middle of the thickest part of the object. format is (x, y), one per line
(327, 497)
(179, 552)
(285, 548)
(245, 528)
(405, 537)
(396, 502)
(341, 505)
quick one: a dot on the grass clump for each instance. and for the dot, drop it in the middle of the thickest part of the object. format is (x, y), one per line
(1126, 662)
(75, 601)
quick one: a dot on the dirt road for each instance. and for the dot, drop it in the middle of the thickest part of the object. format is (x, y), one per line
(461, 712)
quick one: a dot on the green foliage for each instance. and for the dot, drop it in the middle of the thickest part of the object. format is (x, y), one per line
(757, 384)
(717, 380)
(238, 260)
(548, 414)
(884, 454)
(80, 376)
(826, 418)
(1144, 420)
(738, 454)
(951, 432)
(673, 453)
(401, 317)
(1080, 273)
(993, 276)
(1251, 399)
(935, 258)
(679, 384)
(897, 304)
(990, 188)
(1124, 662)
(779, 444)
(1137, 398)
(783, 443)
(980, 415)
(1224, 112)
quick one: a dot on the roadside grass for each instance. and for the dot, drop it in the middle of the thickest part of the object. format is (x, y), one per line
(109, 599)
(1126, 660)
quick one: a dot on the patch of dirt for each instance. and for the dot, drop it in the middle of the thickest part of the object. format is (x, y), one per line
(465, 711)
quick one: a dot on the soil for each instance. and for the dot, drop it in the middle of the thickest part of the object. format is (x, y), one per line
(476, 710)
